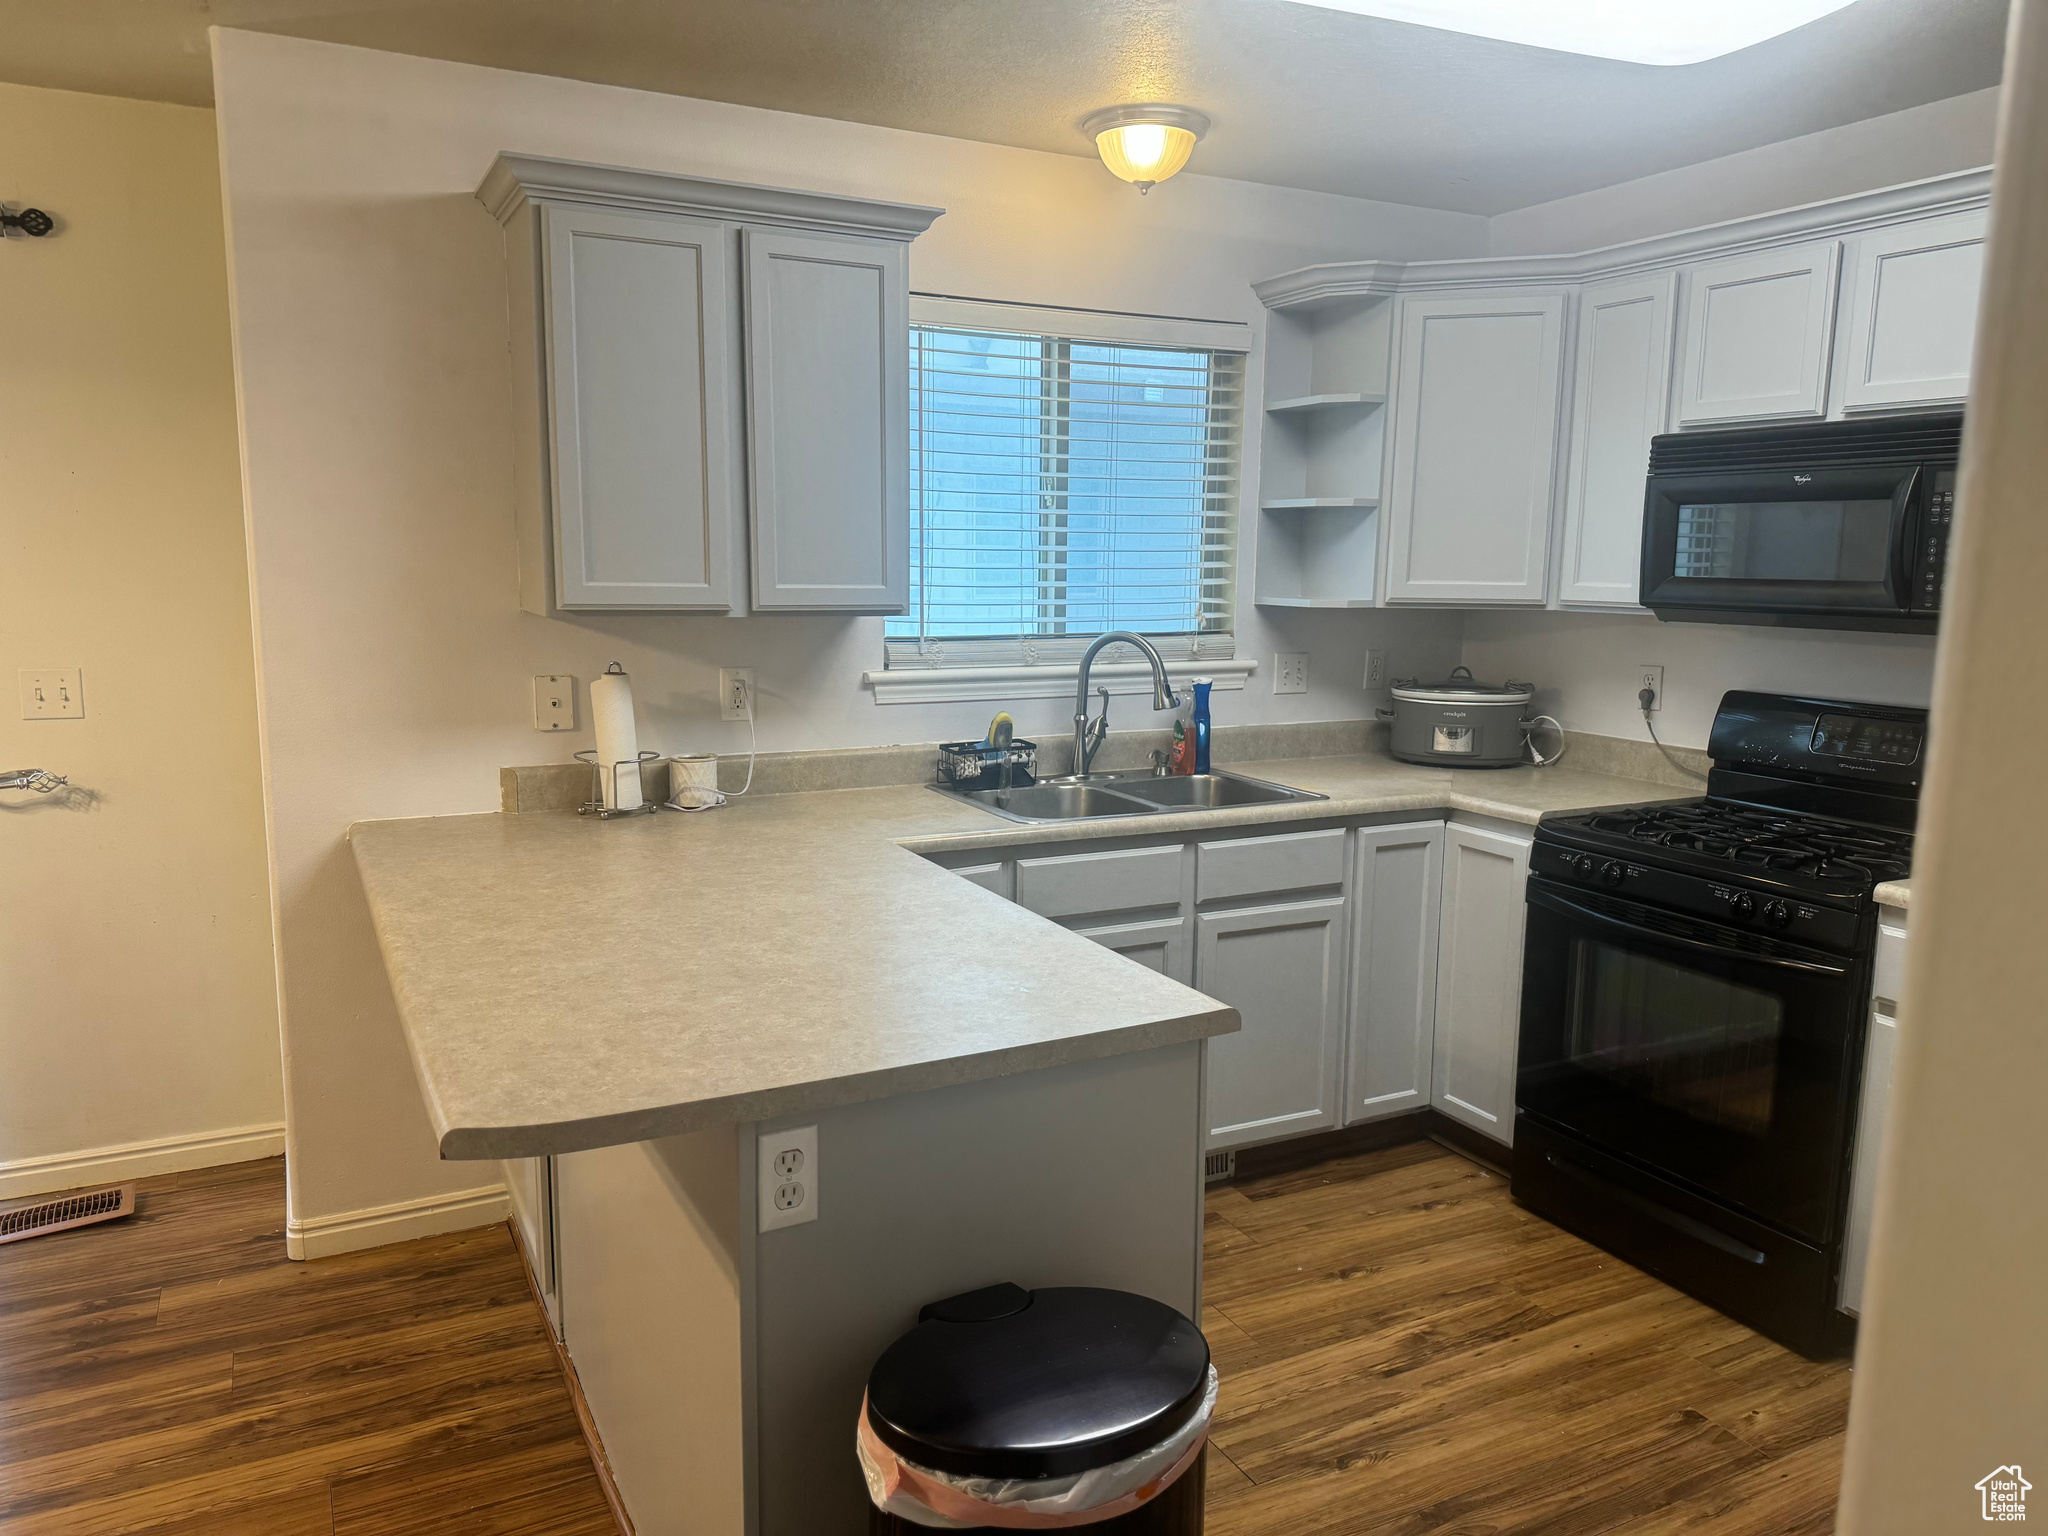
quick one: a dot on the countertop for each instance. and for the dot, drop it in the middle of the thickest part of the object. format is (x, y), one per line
(1895, 893)
(567, 984)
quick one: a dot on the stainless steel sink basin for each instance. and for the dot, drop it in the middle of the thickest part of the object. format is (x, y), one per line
(1198, 791)
(1058, 802)
(1132, 793)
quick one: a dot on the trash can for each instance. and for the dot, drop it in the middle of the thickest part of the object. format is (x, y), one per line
(1008, 1409)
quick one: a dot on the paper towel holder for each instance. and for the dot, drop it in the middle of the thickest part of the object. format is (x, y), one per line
(595, 805)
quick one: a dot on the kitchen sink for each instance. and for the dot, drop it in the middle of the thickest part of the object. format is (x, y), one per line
(1134, 793)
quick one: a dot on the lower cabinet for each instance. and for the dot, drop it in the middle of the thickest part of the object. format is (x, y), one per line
(1160, 944)
(1282, 968)
(1879, 1052)
(1479, 978)
(1396, 892)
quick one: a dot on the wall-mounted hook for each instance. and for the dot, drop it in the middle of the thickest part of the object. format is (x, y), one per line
(30, 221)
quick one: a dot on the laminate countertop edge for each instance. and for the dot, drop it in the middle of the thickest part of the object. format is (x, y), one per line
(565, 984)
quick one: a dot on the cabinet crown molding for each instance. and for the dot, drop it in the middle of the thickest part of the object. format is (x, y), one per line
(1337, 281)
(515, 179)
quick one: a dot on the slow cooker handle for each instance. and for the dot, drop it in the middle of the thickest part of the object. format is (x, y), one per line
(1529, 727)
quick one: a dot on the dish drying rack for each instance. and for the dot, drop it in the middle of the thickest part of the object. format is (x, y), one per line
(970, 765)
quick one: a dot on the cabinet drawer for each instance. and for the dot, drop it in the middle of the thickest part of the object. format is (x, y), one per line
(1258, 866)
(1125, 880)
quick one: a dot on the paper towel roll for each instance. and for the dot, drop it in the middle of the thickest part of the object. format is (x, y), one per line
(611, 712)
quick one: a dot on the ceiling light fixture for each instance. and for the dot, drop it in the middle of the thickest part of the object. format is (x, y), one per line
(1637, 31)
(1147, 142)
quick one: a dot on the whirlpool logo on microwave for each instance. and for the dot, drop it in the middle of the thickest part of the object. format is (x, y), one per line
(1802, 479)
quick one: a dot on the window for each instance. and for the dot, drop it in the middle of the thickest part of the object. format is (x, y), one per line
(1063, 485)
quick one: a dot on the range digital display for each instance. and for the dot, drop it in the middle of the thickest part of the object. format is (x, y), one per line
(1876, 741)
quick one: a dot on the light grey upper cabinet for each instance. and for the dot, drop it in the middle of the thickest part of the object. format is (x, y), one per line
(1756, 334)
(641, 376)
(1475, 448)
(828, 421)
(1479, 978)
(705, 370)
(1396, 890)
(1912, 313)
(1620, 396)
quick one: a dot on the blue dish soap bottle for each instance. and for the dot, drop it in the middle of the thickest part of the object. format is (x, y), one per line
(1201, 723)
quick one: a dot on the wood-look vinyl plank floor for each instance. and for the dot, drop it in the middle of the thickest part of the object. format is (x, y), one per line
(1406, 1352)
(175, 1374)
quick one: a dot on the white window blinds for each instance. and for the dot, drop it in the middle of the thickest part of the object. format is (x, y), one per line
(1063, 486)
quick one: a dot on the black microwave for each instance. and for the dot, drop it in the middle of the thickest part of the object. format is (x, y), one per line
(1832, 525)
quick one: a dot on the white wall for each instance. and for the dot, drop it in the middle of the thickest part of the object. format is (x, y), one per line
(1584, 667)
(1929, 140)
(138, 1022)
(370, 316)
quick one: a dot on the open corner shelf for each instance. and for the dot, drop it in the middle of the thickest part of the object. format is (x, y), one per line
(1312, 503)
(1314, 602)
(1302, 403)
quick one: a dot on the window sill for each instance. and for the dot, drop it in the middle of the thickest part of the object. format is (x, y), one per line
(948, 685)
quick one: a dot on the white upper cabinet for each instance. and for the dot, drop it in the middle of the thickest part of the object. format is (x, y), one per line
(640, 391)
(1912, 313)
(1475, 448)
(1620, 397)
(705, 370)
(1756, 336)
(828, 421)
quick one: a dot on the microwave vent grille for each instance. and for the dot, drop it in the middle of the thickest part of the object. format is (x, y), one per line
(1821, 445)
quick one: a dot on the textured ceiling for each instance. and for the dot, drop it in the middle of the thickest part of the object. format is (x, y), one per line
(1301, 96)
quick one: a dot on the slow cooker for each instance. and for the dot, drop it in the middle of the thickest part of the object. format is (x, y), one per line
(1462, 723)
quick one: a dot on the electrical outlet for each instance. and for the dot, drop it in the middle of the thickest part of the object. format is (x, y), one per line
(554, 702)
(735, 692)
(1375, 669)
(1651, 678)
(788, 1166)
(1290, 672)
(54, 693)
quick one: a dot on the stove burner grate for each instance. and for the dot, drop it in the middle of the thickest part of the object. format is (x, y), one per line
(1811, 846)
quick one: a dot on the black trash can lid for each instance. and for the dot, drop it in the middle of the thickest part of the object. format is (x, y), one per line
(1004, 1382)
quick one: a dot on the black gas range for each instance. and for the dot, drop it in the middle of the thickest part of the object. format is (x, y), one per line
(1695, 992)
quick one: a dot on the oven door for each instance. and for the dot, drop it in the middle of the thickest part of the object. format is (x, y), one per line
(1828, 542)
(1725, 1068)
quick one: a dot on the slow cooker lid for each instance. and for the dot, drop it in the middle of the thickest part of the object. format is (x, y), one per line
(1461, 688)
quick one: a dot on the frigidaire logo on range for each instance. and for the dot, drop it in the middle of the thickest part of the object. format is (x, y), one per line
(2005, 1494)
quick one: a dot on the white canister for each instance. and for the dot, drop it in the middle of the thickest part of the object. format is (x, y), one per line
(693, 781)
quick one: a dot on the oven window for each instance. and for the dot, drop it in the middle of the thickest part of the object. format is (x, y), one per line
(1846, 541)
(1681, 1038)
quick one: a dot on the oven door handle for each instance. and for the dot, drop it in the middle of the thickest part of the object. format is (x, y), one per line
(1540, 897)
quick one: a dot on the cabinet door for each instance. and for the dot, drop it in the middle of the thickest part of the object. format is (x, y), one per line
(1475, 449)
(1162, 945)
(1913, 313)
(828, 421)
(1479, 978)
(640, 384)
(1282, 968)
(1880, 1051)
(1620, 396)
(1757, 332)
(1396, 893)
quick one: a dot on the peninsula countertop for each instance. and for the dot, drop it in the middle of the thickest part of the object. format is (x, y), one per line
(567, 984)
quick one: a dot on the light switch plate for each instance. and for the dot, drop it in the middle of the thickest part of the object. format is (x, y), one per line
(1290, 672)
(52, 693)
(787, 1172)
(554, 702)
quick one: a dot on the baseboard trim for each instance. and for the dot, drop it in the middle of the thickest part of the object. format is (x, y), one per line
(1299, 1152)
(139, 1160)
(600, 1462)
(321, 1237)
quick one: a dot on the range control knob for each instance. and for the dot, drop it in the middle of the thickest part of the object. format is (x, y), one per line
(1777, 913)
(1742, 904)
(1585, 866)
(1611, 872)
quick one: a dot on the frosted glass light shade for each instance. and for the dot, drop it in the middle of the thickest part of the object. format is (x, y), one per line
(1144, 144)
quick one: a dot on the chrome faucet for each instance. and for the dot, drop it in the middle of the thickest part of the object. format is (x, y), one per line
(1088, 736)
